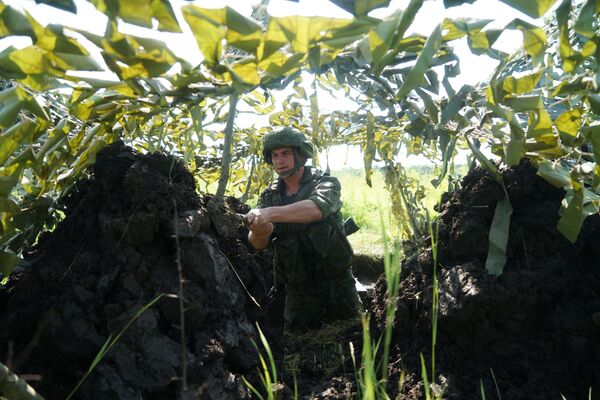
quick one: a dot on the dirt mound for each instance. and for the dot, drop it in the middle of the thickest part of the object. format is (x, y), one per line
(115, 252)
(528, 334)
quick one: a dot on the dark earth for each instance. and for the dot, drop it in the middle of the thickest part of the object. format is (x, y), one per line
(533, 332)
(138, 220)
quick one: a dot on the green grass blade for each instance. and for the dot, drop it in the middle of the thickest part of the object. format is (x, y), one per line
(496, 384)
(252, 388)
(391, 263)
(426, 386)
(435, 295)
(369, 381)
(267, 371)
(295, 387)
(265, 344)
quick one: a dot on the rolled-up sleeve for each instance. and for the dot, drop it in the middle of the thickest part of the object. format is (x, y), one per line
(327, 195)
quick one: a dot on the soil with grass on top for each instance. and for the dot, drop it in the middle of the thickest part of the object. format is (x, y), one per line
(115, 251)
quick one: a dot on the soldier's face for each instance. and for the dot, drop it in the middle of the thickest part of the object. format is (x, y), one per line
(283, 159)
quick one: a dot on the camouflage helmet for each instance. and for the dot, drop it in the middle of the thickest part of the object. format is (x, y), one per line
(286, 137)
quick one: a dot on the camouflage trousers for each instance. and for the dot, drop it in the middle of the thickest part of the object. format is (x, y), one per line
(329, 300)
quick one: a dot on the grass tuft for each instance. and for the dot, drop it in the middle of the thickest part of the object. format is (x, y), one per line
(267, 372)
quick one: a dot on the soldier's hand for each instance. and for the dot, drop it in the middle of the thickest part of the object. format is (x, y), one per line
(259, 222)
(258, 216)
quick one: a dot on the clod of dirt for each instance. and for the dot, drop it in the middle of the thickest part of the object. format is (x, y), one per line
(114, 253)
(528, 334)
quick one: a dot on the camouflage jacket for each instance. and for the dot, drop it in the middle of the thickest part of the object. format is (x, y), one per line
(306, 254)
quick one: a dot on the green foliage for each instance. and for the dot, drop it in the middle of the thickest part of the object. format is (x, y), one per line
(498, 237)
(542, 103)
(415, 76)
(8, 262)
(141, 13)
(367, 378)
(366, 204)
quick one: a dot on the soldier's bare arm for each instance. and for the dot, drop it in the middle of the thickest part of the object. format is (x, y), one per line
(301, 212)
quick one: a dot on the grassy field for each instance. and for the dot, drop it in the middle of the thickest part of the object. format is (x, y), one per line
(369, 206)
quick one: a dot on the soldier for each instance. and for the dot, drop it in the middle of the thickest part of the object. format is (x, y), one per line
(299, 217)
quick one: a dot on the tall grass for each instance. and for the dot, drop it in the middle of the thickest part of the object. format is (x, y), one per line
(392, 269)
(431, 390)
(367, 377)
(267, 371)
(365, 204)
(372, 376)
(435, 301)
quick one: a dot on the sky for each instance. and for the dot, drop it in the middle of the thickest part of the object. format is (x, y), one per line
(473, 68)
